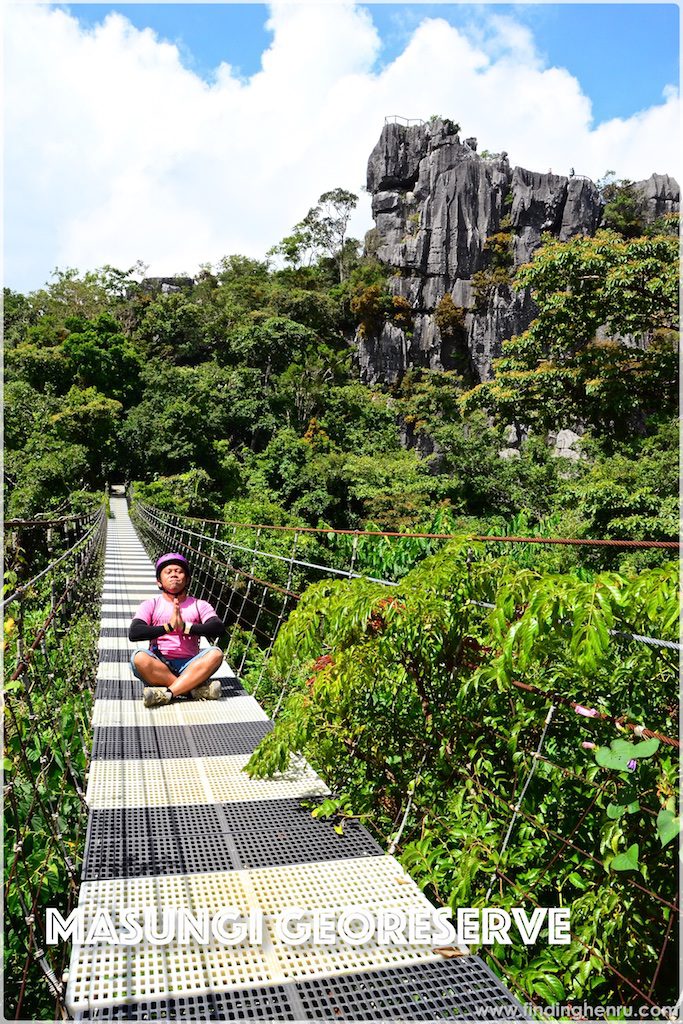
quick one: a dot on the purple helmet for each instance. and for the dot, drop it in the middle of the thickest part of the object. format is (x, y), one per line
(172, 558)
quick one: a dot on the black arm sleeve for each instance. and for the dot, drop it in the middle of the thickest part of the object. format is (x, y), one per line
(212, 627)
(141, 630)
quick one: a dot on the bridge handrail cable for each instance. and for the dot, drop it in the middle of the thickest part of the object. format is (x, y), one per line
(484, 538)
(53, 565)
(348, 574)
(83, 517)
(619, 721)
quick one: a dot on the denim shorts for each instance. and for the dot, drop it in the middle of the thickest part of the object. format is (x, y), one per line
(178, 664)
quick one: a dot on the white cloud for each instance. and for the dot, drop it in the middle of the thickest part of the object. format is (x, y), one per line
(117, 152)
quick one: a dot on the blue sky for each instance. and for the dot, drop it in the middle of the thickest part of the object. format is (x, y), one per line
(622, 54)
(124, 143)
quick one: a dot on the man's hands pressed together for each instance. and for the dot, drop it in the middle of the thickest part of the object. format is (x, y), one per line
(176, 621)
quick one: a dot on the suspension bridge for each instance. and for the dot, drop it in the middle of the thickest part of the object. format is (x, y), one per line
(172, 820)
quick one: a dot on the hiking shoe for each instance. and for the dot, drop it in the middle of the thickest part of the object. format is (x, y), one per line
(207, 691)
(155, 696)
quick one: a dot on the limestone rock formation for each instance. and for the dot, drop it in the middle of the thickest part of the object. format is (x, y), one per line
(435, 202)
(167, 285)
(660, 195)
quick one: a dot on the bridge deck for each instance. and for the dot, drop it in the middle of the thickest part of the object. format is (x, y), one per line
(175, 823)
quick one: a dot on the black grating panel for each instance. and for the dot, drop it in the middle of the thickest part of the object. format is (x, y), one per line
(270, 1003)
(108, 631)
(131, 689)
(462, 988)
(118, 689)
(119, 743)
(116, 654)
(132, 842)
(113, 742)
(268, 833)
(226, 738)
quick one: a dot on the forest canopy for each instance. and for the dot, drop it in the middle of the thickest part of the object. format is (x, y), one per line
(238, 391)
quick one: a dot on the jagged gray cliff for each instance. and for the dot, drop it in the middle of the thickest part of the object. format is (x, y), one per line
(435, 202)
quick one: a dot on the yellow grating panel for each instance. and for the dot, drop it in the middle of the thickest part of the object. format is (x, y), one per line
(145, 783)
(114, 670)
(373, 882)
(212, 890)
(104, 974)
(128, 582)
(181, 780)
(122, 643)
(130, 571)
(228, 783)
(111, 975)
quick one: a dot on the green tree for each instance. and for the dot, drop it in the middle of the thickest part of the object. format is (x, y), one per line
(40, 367)
(99, 355)
(18, 316)
(242, 282)
(558, 370)
(175, 327)
(269, 343)
(106, 290)
(324, 228)
(183, 411)
(89, 418)
(624, 208)
(43, 475)
(629, 494)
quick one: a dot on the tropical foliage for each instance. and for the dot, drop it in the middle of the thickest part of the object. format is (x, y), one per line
(475, 688)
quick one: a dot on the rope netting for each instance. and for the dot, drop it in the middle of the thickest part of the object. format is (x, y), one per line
(255, 575)
(52, 584)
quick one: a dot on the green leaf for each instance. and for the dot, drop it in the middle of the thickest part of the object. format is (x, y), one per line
(624, 748)
(627, 861)
(646, 749)
(548, 988)
(7, 764)
(607, 759)
(621, 752)
(668, 826)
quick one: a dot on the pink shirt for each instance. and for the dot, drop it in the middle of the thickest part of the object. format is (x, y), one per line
(157, 611)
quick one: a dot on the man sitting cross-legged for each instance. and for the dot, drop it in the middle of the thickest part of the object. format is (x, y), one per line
(173, 623)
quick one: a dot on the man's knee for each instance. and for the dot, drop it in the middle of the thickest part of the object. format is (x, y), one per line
(139, 661)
